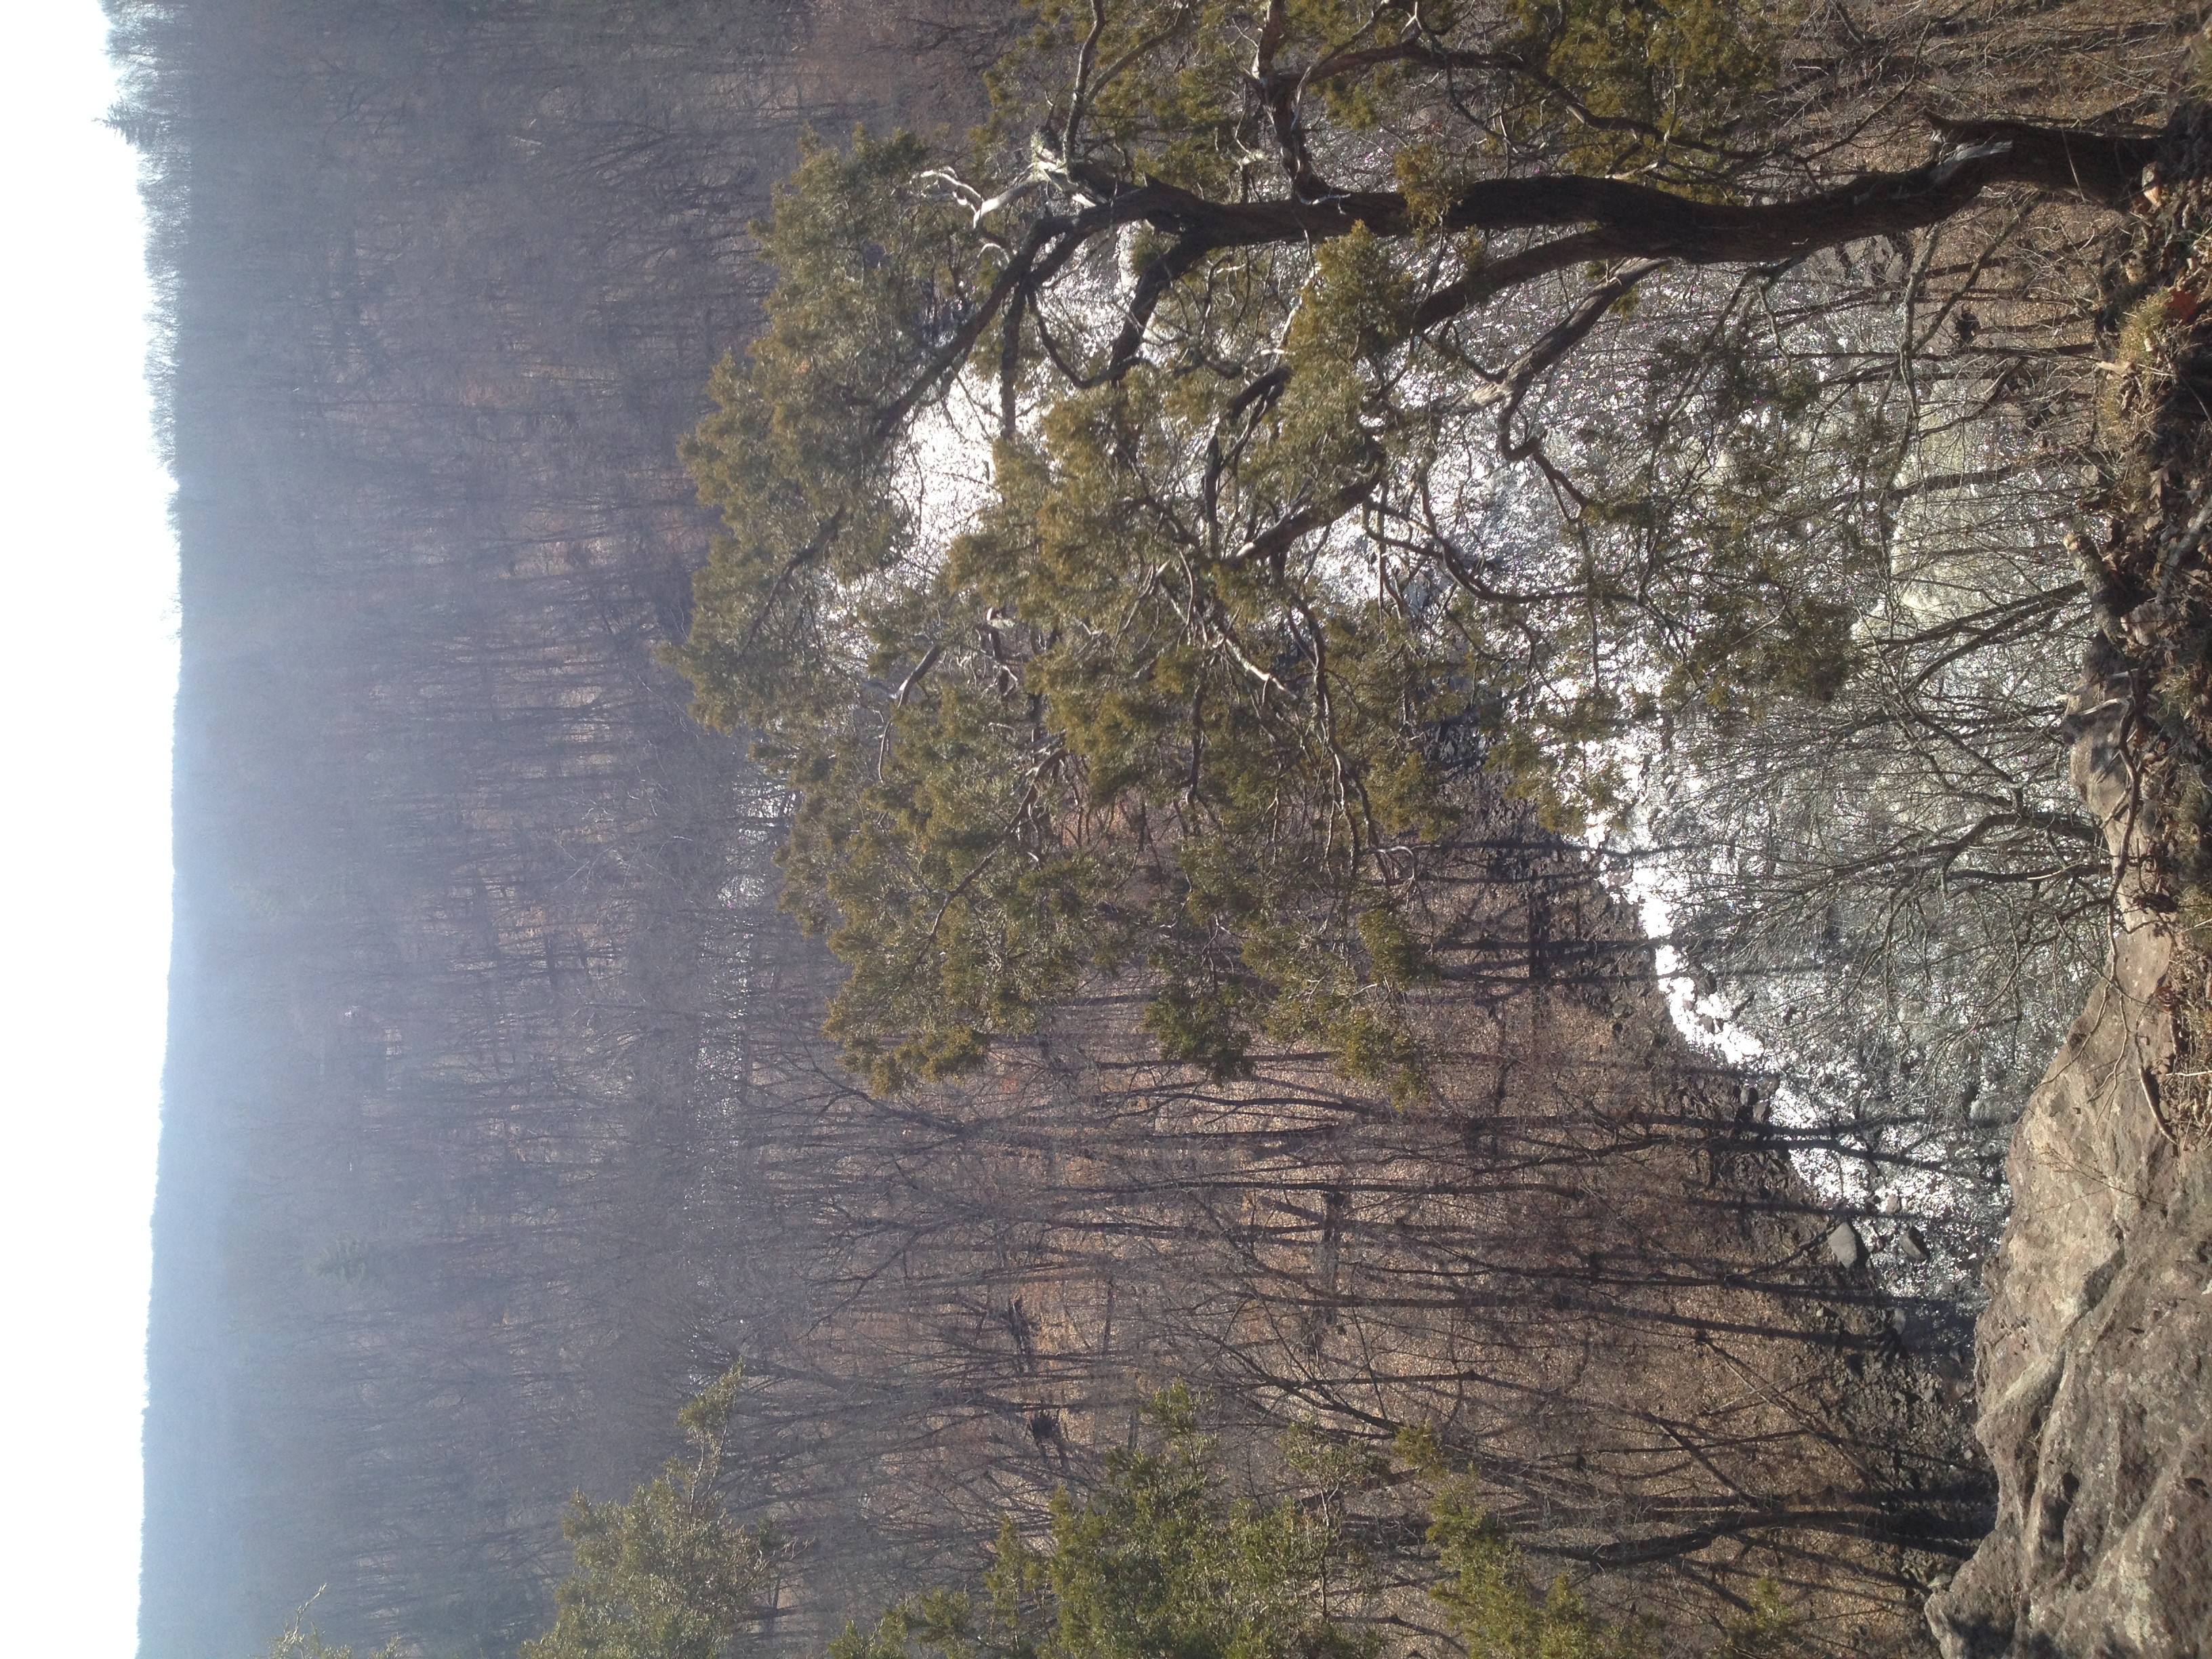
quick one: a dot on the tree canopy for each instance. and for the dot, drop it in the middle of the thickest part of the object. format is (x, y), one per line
(669, 1574)
(1142, 526)
(300, 1639)
(1161, 1559)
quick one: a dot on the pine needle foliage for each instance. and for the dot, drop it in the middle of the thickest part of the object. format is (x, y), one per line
(667, 1574)
(1160, 1561)
(1142, 526)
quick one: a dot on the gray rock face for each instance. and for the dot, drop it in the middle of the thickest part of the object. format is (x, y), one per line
(2095, 1352)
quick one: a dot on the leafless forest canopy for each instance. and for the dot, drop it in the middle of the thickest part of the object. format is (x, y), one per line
(497, 1114)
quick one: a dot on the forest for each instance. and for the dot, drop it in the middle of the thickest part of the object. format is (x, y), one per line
(1277, 789)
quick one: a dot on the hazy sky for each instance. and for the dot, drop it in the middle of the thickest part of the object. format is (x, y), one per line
(89, 674)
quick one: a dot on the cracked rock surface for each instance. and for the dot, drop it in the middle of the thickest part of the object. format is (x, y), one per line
(2095, 1352)
(2094, 1355)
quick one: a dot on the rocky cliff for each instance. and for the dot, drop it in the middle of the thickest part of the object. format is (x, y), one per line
(2096, 1407)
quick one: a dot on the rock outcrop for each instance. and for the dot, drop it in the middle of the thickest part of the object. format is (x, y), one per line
(2095, 1353)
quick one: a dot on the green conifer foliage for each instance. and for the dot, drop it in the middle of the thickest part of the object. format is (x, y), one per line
(1137, 528)
(668, 1574)
(1161, 1561)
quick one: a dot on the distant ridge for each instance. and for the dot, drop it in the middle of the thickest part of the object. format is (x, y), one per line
(444, 283)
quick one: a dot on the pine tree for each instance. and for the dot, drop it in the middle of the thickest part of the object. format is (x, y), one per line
(1140, 528)
(668, 1574)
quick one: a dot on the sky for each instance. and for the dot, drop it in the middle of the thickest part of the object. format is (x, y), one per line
(90, 575)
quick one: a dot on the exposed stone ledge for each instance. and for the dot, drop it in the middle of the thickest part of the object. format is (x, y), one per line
(2095, 1352)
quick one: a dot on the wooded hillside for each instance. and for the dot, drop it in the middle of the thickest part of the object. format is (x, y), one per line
(443, 282)
(498, 1114)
